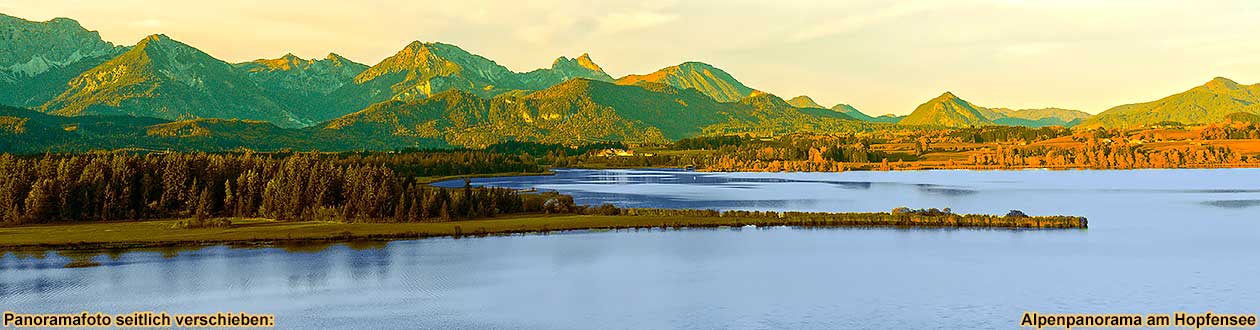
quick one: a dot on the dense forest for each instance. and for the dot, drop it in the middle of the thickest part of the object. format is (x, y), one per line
(287, 187)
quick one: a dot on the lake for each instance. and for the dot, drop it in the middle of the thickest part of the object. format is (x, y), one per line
(1160, 241)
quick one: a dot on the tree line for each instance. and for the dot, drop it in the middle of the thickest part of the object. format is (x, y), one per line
(103, 186)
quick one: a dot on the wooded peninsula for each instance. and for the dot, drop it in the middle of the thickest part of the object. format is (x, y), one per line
(127, 199)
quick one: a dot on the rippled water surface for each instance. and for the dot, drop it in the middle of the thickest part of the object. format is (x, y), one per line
(1159, 241)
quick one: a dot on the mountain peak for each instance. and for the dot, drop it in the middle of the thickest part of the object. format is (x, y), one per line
(1221, 83)
(421, 46)
(156, 41)
(707, 79)
(695, 64)
(161, 44)
(65, 21)
(286, 62)
(947, 110)
(155, 38)
(804, 101)
(584, 61)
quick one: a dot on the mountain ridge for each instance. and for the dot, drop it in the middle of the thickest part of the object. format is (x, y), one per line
(1207, 103)
(163, 78)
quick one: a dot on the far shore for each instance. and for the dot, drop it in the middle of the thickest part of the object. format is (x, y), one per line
(264, 232)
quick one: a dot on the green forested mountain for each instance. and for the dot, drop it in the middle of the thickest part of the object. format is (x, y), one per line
(302, 84)
(163, 78)
(951, 111)
(1207, 103)
(947, 110)
(38, 58)
(577, 111)
(705, 78)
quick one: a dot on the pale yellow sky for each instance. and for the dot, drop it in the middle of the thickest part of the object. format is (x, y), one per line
(880, 56)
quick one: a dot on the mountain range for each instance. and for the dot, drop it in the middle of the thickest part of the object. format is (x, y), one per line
(38, 58)
(432, 94)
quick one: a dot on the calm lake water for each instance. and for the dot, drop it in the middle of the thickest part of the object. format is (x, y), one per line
(1160, 241)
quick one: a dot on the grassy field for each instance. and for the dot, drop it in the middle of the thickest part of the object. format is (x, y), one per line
(160, 233)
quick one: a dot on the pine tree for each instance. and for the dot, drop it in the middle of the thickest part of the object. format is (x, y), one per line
(41, 202)
(229, 201)
(204, 205)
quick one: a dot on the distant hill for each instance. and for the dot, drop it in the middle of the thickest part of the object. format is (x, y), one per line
(29, 131)
(1039, 117)
(37, 59)
(947, 110)
(1207, 103)
(163, 78)
(766, 114)
(804, 102)
(302, 84)
(951, 111)
(888, 118)
(850, 111)
(705, 78)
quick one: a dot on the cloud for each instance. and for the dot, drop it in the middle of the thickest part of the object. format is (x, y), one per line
(859, 20)
(1030, 48)
(634, 20)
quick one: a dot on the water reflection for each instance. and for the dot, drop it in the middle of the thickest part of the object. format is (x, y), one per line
(1234, 204)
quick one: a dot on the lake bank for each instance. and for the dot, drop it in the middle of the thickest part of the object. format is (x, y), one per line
(161, 233)
(432, 179)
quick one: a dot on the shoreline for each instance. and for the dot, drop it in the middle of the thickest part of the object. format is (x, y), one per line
(263, 232)
(436, 179)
